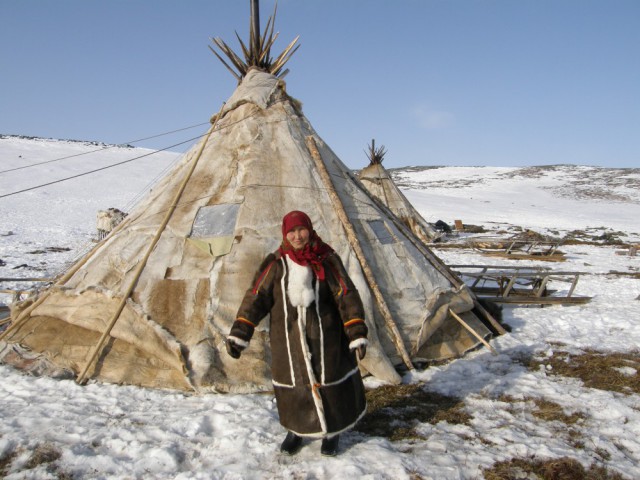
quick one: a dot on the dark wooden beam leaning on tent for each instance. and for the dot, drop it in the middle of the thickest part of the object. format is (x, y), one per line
(353, 239)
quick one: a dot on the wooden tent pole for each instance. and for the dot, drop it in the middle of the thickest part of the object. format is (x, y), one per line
(254, 29)
(114, 318)
(355, 244)
(472, 331)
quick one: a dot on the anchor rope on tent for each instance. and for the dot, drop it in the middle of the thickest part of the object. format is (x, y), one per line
(124, 161)
(85, 247)
(97, 169)
(105, 147)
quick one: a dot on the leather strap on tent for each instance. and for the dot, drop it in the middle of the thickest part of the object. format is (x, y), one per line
(355, 244)
(98, 348)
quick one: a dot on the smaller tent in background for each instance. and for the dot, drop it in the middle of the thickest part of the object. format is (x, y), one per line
(379, 183)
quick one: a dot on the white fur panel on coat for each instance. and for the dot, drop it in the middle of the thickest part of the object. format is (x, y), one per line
(299, 287)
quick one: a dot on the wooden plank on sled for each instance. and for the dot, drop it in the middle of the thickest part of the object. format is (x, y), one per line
(520, 285)
(555, 257)
(529, 300)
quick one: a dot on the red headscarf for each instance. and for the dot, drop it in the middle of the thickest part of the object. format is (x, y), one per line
(313, 253)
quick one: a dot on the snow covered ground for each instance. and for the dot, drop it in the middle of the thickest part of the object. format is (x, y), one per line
(111, 432)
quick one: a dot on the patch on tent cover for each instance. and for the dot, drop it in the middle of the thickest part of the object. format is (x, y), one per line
(213, 228)
(381, 231)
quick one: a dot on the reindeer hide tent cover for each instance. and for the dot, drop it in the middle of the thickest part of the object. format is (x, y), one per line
(254, 167)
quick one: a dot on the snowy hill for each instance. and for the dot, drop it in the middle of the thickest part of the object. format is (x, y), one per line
(57, 429)
(546, 198)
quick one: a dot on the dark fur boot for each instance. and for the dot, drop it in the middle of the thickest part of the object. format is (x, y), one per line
(329, 446)
(291, 444)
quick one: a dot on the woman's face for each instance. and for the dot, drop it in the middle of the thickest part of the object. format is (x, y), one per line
(298, 237)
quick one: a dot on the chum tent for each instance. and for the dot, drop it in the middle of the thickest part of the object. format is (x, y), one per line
(380, 184)
(152, 303)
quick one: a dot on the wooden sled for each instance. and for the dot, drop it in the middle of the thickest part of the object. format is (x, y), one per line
(521, 249)
(520, 285)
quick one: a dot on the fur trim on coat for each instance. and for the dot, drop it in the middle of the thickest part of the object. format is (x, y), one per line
(300, 284)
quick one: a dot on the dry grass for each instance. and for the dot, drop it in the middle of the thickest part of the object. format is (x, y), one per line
(564, 468)
(43, 454)
(604, 371)
(5, 462)
(625, 274)
(393, 411)
(596, 237)
(544, 409)
(550, 411)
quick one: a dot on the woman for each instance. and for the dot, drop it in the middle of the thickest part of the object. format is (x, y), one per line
(317, 324)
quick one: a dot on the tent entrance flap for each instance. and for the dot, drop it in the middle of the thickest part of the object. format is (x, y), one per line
(213, 228)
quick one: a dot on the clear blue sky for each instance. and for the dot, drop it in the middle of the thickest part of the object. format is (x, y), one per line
(438, 82)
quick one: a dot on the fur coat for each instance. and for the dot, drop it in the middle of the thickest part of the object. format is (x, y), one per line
(315, 325)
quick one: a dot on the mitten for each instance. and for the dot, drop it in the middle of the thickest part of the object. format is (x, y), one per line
(235, 346)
